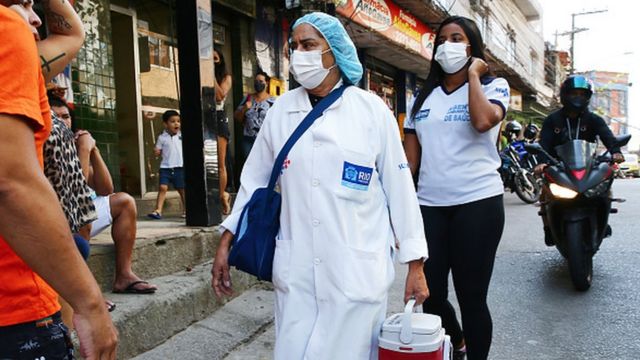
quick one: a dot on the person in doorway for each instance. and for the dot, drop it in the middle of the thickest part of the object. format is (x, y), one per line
(222, 86)
(252, 111)
(36, 247)
(348, 205)
(117, 210)
(169, 146)
(454, 124)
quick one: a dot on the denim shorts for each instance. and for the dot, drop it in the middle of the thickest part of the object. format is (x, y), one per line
(173, 176)
(46, 338)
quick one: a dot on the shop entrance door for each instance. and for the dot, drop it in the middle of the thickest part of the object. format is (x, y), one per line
(128, 114)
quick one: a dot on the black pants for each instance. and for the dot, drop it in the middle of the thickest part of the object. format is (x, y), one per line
(463, 239)
(43, 339)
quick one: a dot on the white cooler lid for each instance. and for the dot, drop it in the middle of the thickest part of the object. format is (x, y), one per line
(423, 324)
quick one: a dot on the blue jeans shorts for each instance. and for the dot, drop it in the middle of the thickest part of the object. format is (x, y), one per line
(173, 176)
(46, 338)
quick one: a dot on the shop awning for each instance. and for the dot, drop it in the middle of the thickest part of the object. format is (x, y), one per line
(392, 53)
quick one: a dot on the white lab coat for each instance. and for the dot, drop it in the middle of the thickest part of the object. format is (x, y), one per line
(333, 262)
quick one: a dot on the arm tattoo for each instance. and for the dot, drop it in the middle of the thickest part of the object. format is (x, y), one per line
(57, 22)
(46, 65)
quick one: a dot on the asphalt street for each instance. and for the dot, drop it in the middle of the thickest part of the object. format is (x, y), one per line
(536, 312)
(538, 315)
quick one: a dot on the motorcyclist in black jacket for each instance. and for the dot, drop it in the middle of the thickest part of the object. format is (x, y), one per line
(572, 122)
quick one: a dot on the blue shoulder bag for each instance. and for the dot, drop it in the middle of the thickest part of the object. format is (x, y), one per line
(254, 242)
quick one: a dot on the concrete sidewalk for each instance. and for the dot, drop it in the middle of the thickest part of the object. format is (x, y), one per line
(235, 324)
(243, 328)
(162, 247)
(176, 258)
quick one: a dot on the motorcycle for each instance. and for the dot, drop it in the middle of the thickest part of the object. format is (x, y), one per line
(579, 203)
(517, 172)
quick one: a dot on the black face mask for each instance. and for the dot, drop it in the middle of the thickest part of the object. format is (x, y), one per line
(259, 86)
(577, 102)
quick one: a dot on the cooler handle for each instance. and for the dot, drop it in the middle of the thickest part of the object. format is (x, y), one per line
(406, 333)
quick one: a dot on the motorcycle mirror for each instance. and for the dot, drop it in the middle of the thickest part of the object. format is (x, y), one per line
(622, 140)
(533, 148)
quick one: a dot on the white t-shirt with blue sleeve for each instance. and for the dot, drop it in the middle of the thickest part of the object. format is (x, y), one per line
(458, 165)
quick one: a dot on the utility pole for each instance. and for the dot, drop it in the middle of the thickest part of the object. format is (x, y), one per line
(574, 31)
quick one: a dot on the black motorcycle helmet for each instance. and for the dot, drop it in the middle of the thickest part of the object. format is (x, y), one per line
(531, 132)
(575, 93)
(512, 129)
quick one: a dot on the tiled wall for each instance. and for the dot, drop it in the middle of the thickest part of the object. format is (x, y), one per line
(94, 83)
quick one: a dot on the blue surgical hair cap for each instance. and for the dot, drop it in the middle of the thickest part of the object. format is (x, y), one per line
(339, 41)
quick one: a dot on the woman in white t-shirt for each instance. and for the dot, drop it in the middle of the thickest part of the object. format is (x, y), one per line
(450, 140)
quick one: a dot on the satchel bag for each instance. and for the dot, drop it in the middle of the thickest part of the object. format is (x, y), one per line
(254, 241)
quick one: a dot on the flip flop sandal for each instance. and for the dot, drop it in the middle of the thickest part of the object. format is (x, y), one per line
(131, 289)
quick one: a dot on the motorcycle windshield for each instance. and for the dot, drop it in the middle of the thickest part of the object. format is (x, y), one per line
(577, 154)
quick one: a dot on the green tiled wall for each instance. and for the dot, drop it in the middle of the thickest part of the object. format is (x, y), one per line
(94, 83)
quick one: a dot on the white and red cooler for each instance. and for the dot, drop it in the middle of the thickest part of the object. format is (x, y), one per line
(413, 336)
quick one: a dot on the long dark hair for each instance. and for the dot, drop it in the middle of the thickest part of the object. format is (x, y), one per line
(221, 68)
(436, 74)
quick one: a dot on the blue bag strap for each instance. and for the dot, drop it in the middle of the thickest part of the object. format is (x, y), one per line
(297, 133)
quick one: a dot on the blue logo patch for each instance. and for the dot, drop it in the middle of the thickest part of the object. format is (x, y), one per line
(502, 91)
(458, 113)
(422, 115)
(355, 176)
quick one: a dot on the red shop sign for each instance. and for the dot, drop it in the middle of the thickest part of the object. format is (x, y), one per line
(388, 19)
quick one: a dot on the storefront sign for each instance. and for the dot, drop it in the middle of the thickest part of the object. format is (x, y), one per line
(388, 19)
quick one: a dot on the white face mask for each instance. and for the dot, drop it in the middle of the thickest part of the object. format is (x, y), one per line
(452, 56)
(307, 68)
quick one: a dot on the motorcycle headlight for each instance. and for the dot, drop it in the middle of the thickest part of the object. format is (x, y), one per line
(598, 190)
(562, 192)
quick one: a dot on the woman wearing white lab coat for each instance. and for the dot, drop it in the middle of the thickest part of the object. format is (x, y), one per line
(348, 206)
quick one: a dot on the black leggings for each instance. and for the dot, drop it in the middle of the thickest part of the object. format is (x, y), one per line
(463, 238)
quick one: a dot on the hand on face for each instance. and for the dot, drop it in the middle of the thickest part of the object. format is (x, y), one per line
(478, 67)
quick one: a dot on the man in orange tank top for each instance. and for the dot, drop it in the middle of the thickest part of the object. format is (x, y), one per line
(36, 246)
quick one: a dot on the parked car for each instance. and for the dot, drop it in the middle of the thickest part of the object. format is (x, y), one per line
(630, 166)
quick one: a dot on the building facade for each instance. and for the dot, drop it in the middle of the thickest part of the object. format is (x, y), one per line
(129, 69)
(611, 98)
(556, 68)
